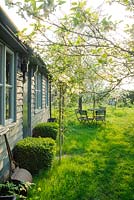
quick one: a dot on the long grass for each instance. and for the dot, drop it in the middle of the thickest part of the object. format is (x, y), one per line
(97, 162)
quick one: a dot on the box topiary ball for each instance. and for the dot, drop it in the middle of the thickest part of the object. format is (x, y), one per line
(46, 129)
(34, 154)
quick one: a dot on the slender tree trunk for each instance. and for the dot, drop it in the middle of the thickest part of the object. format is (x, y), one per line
(50, 100)
(94, 101)
(80, 103)
(60, 122)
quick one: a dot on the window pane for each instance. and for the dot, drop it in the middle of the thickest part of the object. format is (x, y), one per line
(1, 85)
(9, 96)
(0, 105)
(6, 84)
(38, 91)
(0, 64)
(9, 64)
(8, 103)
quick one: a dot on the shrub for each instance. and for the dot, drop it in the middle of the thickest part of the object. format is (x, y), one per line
(34, 154)
(10, 190)
(45, 129)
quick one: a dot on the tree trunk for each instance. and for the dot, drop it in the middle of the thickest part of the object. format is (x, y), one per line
(80, 103)
(60, 122)
(50, 100)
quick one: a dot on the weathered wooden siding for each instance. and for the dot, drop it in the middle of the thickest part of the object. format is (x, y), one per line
(43, 114)
(14, 131)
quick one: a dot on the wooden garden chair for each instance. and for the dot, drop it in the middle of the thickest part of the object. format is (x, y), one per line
(100, 115)
(83, 117)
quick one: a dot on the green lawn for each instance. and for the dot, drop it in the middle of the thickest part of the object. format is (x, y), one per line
(97, 162)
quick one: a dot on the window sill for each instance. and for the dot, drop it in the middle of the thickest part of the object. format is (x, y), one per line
(8, 122)
(3, 130)
(11, 124)
(7, 127)
(38, 110)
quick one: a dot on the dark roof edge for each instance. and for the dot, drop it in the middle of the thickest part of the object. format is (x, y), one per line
(6, 19)
(8, 27)
(14, 37)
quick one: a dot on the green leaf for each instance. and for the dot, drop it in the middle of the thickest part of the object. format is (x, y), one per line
(104, 56)
(74, 3)
(61, 2)
(33, 2)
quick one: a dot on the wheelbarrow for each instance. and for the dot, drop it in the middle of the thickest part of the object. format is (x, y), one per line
(17, 175)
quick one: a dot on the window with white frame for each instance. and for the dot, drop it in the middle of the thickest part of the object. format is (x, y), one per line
(38, 91)
(6, 85)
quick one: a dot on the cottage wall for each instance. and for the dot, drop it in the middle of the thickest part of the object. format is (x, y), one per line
(14, 131)
(13, 53)
(40, 115)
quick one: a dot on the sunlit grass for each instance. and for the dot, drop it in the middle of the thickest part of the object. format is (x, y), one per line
(97, 163)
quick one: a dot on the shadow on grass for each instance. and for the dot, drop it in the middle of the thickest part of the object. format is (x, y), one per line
(98, 165)
(78, 136)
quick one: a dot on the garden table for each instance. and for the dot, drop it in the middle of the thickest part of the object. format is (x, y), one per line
(99, 114)
(93, 110)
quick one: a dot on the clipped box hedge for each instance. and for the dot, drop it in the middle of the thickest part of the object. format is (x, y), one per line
(46, 129)
(34, 154)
